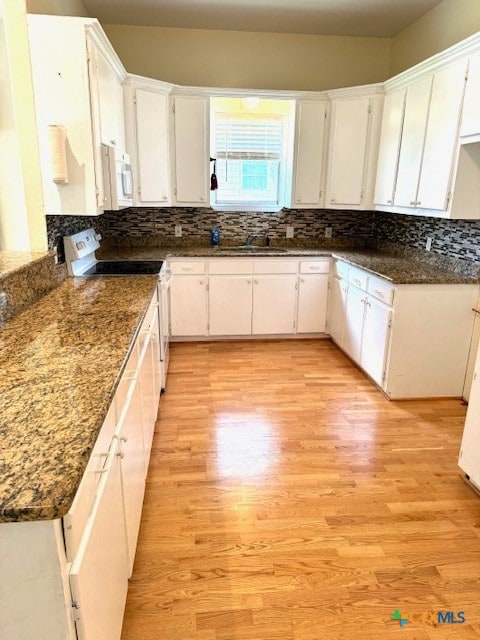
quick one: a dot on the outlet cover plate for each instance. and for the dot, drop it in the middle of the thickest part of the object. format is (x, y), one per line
(328, 232)
(290, 232)
(178, 231)
(428, 244)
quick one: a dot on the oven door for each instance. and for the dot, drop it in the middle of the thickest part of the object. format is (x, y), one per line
(164, 322)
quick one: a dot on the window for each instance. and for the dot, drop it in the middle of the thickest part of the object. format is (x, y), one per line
(250, 151)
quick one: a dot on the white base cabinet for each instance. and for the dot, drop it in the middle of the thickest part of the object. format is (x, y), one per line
(68, 579)
(393, 332)
(469, 459)
(226, 297)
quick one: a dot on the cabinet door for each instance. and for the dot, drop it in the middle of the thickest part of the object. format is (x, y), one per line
(151, 123)
(442, 136)
(110, 99)
(469, 459)
(274, 304)
(471, 106)
(188, 306)
(312, 304)
(230, 305)
(98, 575)
(130, 433)
(348, 151)
(191, 135)
(376, 332)
(354, 322)
(337, 310)
(149, 396)
(310, 134)
(392, 123)
(413, 137)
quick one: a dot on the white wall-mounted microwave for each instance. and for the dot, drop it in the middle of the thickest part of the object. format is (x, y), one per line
(117, 179)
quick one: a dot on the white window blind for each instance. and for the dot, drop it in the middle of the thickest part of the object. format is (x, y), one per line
(249, 152)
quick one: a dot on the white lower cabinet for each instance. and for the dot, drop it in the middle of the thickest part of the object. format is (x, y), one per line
(312, 303)
(245, 296)
(188, 306)
(274, 304)
(230, 305)
(98, 576)
(393, 331)
(71, 574)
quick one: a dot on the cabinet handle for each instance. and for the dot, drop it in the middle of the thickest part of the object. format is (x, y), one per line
(413, 203)
(378, 293)
(202, 281)
(476, 311)
(255, 281)
(332, 200)
(164, 197)
(389, 201)
(363, 300)
(202, 198)
(302, 280)
(113, 142)
(358, 282)
(298, 200)
(249, 281)
(187, 268)
(418, 203)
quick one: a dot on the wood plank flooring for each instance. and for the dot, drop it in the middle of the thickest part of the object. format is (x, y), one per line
(287, 499)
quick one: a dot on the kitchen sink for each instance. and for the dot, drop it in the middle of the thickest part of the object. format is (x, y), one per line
(252, 249)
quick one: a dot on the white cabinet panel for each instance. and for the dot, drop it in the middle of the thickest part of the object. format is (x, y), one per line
(191, 136)
(151, 123)
(337, 309)
(230, 305)
(376, 331)
(148, 386)
(188, 306)
(469, 459)
(392, 123)
(348, 151)
(273, 304)
(309, 154)
(354, 322)
(130, 433)
(312, 303)
(413, 137)
(98, 576)
(441, 136)
(471, 106)
(110, 98)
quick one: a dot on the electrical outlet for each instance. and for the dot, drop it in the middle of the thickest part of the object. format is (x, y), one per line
(428, 244)
(178, 231)
(328, 232)
(290, 232)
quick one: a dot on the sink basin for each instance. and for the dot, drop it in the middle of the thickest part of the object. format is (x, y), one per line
(252, 249)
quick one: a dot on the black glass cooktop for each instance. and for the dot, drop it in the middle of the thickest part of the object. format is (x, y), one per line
(124, 268)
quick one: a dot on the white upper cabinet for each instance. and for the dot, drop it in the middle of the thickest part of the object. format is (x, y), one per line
(471, 107)
(430, 178)
(110, 99)
(309, 155)
(147, 110)
(391, 136)
(352, 152)
(191, 150)
(413, 137)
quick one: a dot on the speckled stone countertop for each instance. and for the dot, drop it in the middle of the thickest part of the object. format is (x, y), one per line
(400, 265)
(60, 361)
(11, 261)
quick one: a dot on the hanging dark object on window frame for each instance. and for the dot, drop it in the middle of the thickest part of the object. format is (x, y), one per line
(213, 177)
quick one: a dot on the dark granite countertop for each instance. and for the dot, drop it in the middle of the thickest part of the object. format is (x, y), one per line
(398, 264)
(11, 261)
(60, 361)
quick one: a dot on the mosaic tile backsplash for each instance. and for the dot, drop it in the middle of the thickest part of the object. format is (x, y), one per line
(453, 238)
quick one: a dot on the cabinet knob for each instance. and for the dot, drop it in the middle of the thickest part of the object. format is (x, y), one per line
(202, 199)
(255, 281)
(298, 200)
(113, 142)
(418, 203)
(332, 200)
(249, 281)
(302, 280)
(164, 197)
(389, 201)
(413, 203)
(202, 281)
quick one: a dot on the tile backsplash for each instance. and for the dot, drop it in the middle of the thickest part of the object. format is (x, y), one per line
(454, 238)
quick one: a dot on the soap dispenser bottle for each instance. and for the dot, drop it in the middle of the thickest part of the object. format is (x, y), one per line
(215, 236)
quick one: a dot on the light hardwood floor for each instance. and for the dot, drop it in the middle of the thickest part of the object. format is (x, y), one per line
(287, 499)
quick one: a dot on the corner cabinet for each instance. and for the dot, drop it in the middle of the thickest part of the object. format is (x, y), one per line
(352, 151)
(147, 107)
(77, 82)
(392, 333)
(191, 150)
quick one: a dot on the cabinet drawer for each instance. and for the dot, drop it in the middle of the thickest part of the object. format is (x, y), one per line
(275, 266)
(315, 266)
(188, 268)
(230, 267)
(75, 520)
(341, 269)
(381, 290)
(358, 278)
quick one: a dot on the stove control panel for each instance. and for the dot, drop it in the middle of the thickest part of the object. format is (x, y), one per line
(80, 250)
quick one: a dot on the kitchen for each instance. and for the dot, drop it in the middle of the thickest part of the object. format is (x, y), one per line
(147, 228)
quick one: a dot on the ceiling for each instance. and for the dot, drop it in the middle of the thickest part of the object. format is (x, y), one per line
(377, 18)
